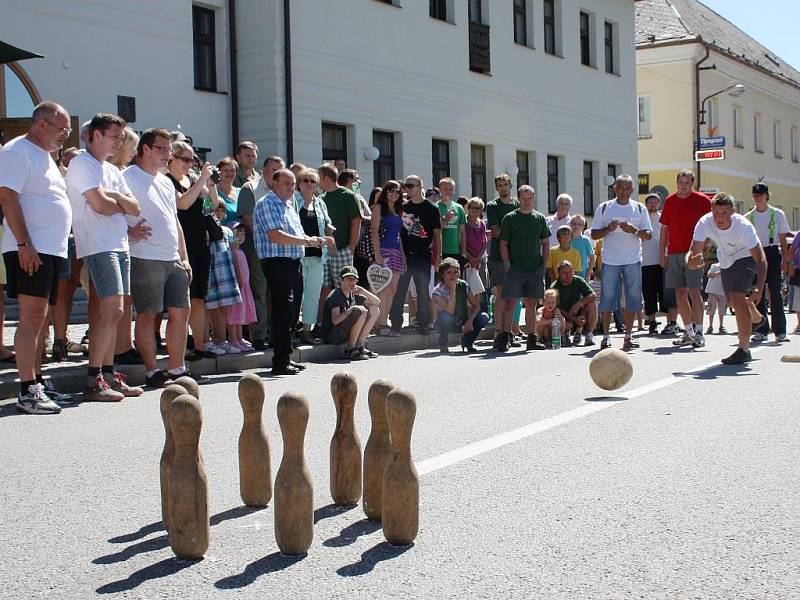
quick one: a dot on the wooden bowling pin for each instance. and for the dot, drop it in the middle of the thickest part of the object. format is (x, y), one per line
(345, 452)
(400, 512)
(377, 451)
(190, 385)
(294, 491)
(255, 472)
(188, 487)
(168, 453)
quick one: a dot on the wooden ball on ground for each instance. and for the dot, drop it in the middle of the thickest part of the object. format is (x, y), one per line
(611, 369)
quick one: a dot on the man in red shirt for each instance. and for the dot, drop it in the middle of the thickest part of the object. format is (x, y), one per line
(682, 211)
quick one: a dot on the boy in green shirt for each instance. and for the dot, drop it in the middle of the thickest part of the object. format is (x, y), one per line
(454, 220)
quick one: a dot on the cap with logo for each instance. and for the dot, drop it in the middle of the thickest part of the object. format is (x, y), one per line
(348, 271)
(760, 188)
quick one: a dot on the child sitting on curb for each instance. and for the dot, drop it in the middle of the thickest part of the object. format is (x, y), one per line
(349, 314)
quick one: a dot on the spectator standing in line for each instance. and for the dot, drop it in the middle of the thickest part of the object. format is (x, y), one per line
(560, 217)
(773, 230)
(525, 249)
(340, 164)
(223, 289)
(190, 192)
(682, 211)
(385, 230)
(652, 271)
(244, 312)
(496, 210)
(224, 190)
(280, 241)
(794, 279)
(37, 216)
(454, 220)
(583, 244)
(477, 243)
(458, 308)
(421, 237)
(365, 250)
(345, 215)
(563, 251)
(101, 201)
(250, 194)
(246, 158)
(621, 223)
(348, 316)
(716, 299)
(160, 269)
(577, 302)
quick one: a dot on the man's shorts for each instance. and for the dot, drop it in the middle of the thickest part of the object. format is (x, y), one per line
(680, 276)
(497, 272)
(158, 284)
(42, 284)
(524, 284)
(338, 333)
(614, 277)
(336, 262)
(110, 273)
(739, 277)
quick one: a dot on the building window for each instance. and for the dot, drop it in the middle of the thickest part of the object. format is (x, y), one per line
(523, 168)
(438, 9)
(737, 127)
(588, 187)
(383, 166)
(475, 11)
(611, 55)
(712, 118)
(549, 13)
(478, 170)
(645, 127)
(479, 39)
(205, 50)
(440, 160)
(552, 182)
(126, 108)
(758, 144)
(793, 143)
(777, 139)
(586, 39)
(521, 22)
(334, 142)
(644, 183)
(612, 177)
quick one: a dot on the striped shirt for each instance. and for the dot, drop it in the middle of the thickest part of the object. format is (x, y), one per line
(273, 213)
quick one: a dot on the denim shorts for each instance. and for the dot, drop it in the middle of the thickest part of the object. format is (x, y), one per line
(110, 273)
(628, 275)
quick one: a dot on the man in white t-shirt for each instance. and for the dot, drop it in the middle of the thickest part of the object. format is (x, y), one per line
(100, 201)
(741, 258)
(160, 271)
(622, 224)
(772, 229)
(560, 217)
(37, 223)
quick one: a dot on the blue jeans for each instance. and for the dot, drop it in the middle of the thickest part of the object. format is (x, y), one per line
(420, 270)
(613, 278)
(445, 322)
(312, 285)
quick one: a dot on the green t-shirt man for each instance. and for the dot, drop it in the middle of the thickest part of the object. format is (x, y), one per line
(568, 295)
(342, 207)
(453, 218)
(495, 211)
(524, 233)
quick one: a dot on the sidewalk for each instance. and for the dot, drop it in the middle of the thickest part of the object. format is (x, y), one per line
(70, 376)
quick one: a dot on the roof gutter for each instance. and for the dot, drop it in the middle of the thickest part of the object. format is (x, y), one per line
(287, 79)
(234, 73)
(696, 142)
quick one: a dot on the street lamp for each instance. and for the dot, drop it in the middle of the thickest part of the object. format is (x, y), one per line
(734, 90)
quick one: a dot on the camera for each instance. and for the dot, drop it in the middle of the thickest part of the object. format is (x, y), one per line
(215, 176)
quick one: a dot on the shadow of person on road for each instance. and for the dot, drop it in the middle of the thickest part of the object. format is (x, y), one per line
(718, 371)
(352, 532)
(269, 564)
(370, 558)
(164, 568)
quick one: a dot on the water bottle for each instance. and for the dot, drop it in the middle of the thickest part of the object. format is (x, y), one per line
(556, 335)
(491, 310)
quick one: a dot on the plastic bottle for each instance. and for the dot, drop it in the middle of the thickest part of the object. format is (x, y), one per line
(556, 335)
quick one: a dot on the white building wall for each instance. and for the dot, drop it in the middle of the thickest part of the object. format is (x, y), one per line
(95, 51)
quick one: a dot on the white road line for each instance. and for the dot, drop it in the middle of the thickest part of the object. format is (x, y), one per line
(509, 437)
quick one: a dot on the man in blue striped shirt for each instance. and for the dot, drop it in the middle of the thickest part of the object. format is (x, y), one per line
(280, 242)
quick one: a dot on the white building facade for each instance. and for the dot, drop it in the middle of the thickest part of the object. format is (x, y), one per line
(542, 89)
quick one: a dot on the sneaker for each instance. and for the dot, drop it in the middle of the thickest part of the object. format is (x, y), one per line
(629, 344)
(757, 338)
(36, 402)
(98, 390)
(500, 344)
(710, 330)
(576, 339)
(606, 343)
(669, 329)
(229, 348)
(58, 397)
(242, 345)
(355, 353)
(76, 348)
(739, 357)
(513, 342)
(781, 337)
(119, 383)
(533, 343)
(589, 339)
(369, 353)
(59, 352)
(159, 379)
(129, 357)
(186, 373)
(684, 340)
(306, 337)
(722, 330)
(699, 341)
(212, 348)
(652, 329)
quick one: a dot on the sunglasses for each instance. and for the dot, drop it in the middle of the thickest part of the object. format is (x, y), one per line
(186, 159)
(308, 180)
(410, 186)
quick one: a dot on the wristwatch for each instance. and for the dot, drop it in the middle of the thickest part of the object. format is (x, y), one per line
(28, 243)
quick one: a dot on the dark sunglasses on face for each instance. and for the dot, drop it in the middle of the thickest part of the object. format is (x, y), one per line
(410, 186)
(308, 180)
(186, 159)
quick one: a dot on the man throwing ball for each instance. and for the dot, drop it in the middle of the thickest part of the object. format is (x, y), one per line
(741, 259)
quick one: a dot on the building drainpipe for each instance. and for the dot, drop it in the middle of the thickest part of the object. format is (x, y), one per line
(697, 107)
(234, 74)
(287, 78)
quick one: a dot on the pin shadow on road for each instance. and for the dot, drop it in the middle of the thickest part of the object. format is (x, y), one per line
(269, 564)
(370, 558)
(330, 510)
(352, 532)
(164, 568)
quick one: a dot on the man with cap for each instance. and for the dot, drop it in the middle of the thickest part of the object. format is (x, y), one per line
(772, 229)
(349, 315)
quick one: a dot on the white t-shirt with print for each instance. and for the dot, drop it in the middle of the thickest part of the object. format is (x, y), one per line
(156, 196)
(94, 232)
(31, 172)
(619, 247)
(732, 243)
(760, 221)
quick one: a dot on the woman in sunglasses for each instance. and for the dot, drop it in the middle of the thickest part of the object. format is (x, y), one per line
(386, 225)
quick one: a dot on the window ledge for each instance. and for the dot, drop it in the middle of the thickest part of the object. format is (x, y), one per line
(795, 159)
(759, 150)
(445, 21)
(780, 156)
(739, 146)
(554, 55)
(198, 89)
(521, 45)
(646, 136)
(592, 67)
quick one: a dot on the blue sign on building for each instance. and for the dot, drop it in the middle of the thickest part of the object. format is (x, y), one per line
(712, 143)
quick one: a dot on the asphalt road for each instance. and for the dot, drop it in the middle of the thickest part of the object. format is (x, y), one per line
(683, 484)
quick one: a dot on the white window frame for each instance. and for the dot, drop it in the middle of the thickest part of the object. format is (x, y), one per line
(777, 139)
(793, 144)
(737, 127)
(758, 140)
(644, 117)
